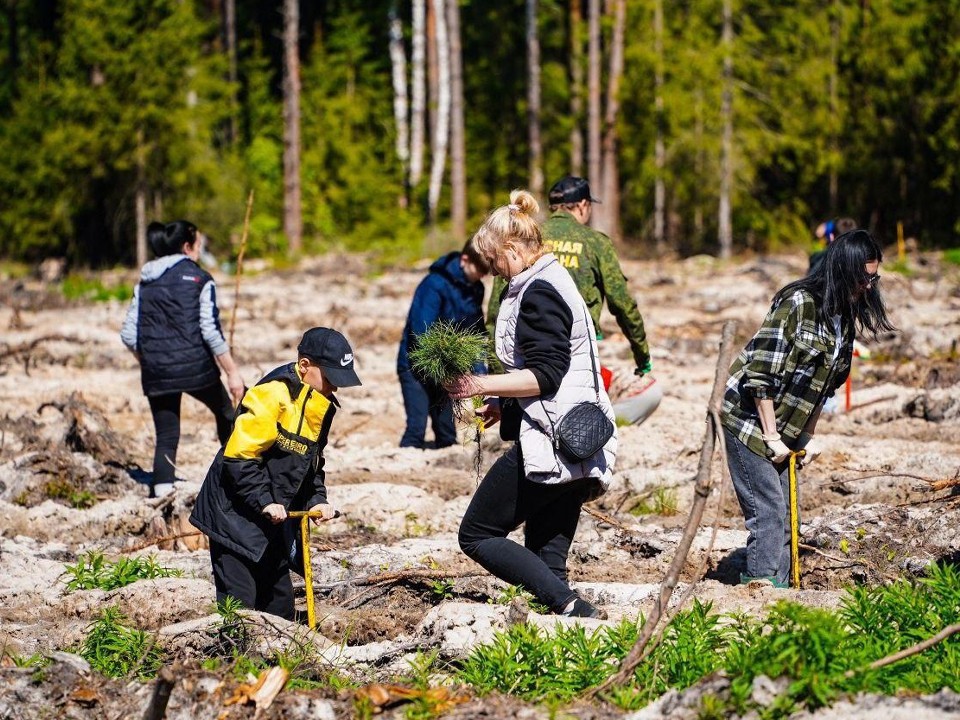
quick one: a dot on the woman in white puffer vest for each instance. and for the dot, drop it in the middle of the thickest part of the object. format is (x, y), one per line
(546, 341)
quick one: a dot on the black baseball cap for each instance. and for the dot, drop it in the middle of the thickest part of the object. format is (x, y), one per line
(570, 189)
(331, 351)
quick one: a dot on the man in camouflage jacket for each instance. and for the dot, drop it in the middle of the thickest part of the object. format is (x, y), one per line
(591, 259)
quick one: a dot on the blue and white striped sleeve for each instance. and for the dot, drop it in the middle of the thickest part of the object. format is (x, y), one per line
(210, 320)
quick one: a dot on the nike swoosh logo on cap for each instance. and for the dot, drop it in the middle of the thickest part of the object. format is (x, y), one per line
(347, 359)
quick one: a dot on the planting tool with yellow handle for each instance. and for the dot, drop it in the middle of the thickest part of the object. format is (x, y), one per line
(794, 521)
(305, 516)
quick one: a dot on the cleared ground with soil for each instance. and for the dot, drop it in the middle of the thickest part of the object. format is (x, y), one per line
(75, 431)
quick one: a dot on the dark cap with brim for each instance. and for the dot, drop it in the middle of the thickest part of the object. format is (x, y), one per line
(331, 351)
(570, 190)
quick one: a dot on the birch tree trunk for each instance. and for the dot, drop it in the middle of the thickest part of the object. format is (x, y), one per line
(576, 87)
(593, 98)
(230, 31)
(726, 152)
(458, 142)
(659, 148)
(292, 218)
(398, 62)
(533, 100)
(418, 94)
(441, 131)
(611, 170)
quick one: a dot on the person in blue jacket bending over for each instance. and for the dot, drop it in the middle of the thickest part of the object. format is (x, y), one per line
(451, 291)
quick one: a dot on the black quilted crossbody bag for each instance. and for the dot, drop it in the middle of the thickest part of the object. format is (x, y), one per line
(585, 429)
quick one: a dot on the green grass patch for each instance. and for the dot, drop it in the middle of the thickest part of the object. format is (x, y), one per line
(63, 489)
(901, 267)
(78, 287)
(812, 648)
(117, 650)
(662, 501)
(952, 256)
(94, 571)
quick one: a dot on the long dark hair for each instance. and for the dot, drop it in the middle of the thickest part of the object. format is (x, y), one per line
(839, 284)
(169, 239)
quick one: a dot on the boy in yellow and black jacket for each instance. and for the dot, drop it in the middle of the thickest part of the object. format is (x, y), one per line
(272, 464)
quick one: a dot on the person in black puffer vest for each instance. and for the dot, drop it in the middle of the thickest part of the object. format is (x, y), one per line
(173, 329)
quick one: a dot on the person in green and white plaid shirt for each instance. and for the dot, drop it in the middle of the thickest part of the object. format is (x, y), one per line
(796, 360)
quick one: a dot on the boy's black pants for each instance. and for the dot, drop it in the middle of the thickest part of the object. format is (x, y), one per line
(263, 585)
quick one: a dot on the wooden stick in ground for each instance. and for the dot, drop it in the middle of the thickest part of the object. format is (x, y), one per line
(157, 709)
(243, 249)
(702, 490)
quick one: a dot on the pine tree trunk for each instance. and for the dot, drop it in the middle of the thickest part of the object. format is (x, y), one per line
(13, 44)
(834, 183)
(418, 94)
(230, 33)
(659, 144)
(726, 153)
(441, 132)
(292, 219)
(611, 170)
(533, 100)
(576, 87)
(398, 61)
(593, 99)
(433, 75)
(140, 203)
(458, 142)
(699, 163)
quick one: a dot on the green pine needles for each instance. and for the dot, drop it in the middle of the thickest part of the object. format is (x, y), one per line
(446, 351)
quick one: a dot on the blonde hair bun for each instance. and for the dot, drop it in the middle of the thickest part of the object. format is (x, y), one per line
(525, 202)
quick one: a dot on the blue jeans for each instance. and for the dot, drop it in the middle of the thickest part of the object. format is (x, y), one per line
(763, 490)
(503, 501)
(423, 400)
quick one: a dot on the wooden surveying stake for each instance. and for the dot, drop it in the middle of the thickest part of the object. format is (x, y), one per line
(243, 248)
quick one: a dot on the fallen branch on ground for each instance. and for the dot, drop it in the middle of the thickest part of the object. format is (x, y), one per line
(908, 652)
(603, 517)
(415, 574)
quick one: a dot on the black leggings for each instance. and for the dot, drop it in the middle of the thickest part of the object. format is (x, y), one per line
(504, 500)
(166, 421)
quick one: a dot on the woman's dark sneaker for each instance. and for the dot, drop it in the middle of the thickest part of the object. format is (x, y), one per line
(581, 608)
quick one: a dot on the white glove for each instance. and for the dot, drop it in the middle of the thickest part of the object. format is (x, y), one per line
(275, 512)
(811, 447)
(780, 451)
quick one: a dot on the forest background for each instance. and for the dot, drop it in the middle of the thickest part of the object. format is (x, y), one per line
(394, 126)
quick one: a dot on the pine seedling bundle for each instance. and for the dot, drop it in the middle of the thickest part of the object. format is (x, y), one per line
(446, 351)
